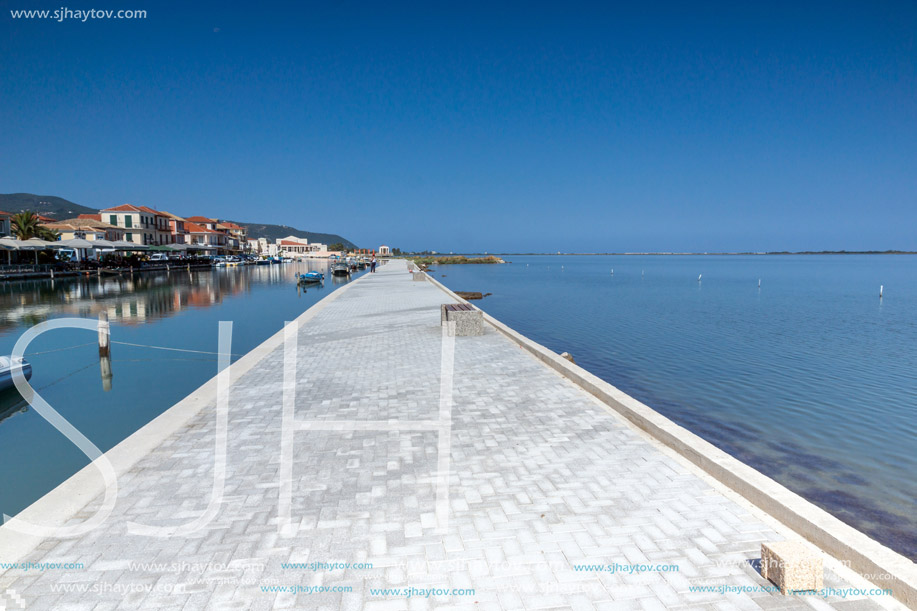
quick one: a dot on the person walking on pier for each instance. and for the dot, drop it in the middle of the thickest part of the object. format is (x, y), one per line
(372, 264)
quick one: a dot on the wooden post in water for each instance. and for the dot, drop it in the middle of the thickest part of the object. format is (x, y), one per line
(881, 290)
(104, 335)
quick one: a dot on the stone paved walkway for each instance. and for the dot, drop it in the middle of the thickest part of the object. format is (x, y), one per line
(541, 478)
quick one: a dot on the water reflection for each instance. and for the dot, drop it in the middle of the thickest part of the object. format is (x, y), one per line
(140, 298)
(11, 404)
(134, 300)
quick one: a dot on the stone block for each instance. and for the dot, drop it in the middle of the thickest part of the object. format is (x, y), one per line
(419, 276)
(792, 566)
(462, 322)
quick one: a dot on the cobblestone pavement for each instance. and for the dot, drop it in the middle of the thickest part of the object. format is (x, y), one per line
(541, 479)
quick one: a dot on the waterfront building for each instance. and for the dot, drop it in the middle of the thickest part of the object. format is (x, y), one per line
(300, 247)
(140, 224)
(86, 227)
(227, 242)
(202, 236)
(385, 250)
(236, 233)
(5, 226)
(178, 233)
(159, 223)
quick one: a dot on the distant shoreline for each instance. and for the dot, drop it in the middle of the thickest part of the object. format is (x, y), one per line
(684, 254)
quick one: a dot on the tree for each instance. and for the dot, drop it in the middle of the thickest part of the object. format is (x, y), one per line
(25, 225)
(336, 246)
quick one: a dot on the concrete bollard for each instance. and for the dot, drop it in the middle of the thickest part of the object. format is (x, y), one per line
(792, 566)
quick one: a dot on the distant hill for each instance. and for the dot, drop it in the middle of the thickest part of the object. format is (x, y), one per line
(47, 205)
(273, 232)
(59, 208)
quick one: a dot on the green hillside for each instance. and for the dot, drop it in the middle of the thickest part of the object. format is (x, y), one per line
(47, 205)
(273, 232)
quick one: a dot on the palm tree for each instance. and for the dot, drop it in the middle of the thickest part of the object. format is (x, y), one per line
(51, 235)
(24, 225)
(27, 225)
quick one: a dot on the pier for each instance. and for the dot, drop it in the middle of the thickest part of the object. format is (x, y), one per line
(371, 460)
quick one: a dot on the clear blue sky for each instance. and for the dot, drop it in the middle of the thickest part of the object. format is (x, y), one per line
(481, 126)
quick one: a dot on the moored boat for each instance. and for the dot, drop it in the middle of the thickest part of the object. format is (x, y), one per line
(311, 277)
(8, 365)
(340, 268)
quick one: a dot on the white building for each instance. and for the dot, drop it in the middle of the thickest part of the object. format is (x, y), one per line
(300, 247)
(385, 250)
(263, 247)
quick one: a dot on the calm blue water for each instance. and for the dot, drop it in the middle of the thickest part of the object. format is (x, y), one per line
(811, 379)
(176, 310)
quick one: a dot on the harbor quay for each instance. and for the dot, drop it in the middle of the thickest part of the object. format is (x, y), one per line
(369, 456)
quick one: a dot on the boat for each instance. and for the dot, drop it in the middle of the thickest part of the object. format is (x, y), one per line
(310, 277)
(262, 261)
(8, 365)
(340, 268)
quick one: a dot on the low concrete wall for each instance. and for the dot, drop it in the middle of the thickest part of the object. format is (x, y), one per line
(859, 552)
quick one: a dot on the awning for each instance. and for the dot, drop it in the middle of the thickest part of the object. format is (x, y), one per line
(125, 245)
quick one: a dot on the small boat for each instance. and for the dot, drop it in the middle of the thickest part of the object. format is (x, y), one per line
(262, 262)
(8, 365)
(340, 268)
(310, 277)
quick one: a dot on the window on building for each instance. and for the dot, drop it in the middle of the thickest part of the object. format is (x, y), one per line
(113, 219)
(128, 220)
(129, 236)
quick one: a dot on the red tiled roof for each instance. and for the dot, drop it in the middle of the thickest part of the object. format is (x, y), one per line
(199, 219)
(151, 211)
(2, 213)
(195, 228)
(93, 217)
(46, 219)
(122, 208)
(231, 225)
(291, 243)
